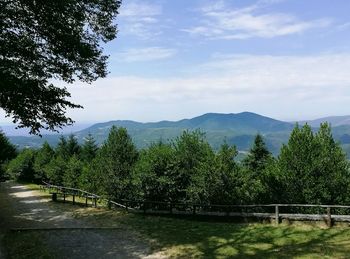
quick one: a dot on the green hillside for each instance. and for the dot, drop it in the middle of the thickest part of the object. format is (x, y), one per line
(236, 129)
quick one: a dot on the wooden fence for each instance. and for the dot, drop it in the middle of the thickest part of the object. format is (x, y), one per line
(56, 190)
(273, 212)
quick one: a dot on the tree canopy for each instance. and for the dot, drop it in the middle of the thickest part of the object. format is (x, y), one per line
(311, 168)
(44, 41)
(7, 152)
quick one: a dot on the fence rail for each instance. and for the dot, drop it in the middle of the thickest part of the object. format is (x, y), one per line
(274, 212)
(74, 192)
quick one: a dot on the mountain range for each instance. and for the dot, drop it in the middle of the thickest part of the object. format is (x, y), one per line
(238, 129)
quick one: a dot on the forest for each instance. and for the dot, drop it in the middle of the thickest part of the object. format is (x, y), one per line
(311, 168)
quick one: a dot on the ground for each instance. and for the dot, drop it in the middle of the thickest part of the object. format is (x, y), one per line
(63, 230)
(34, 227)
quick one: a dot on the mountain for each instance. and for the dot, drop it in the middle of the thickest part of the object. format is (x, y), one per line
(240, 122)
(335, 121)
(11, 130)
(238, 129)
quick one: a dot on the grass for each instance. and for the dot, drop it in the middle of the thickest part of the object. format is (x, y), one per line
(194, 238)
(26, 245)
(188, 238)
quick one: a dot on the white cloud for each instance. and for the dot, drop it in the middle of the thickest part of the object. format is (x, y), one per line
(138, 19)
(278, 86)
(221, 22)
(134, 10)
(145, 54)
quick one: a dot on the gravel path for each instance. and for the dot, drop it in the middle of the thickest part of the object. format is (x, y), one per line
(64, 235)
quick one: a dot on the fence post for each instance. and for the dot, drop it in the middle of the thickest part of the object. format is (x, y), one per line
(277, 216)
(329, 217)
(73, 199)
(86, 201)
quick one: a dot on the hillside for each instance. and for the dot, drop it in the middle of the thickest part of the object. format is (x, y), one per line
(335, 121)
(238, 129)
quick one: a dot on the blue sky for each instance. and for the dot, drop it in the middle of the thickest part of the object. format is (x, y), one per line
(288, 59)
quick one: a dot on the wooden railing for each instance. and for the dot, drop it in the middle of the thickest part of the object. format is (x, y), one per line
(74, 192)
(274, 212)
(67, 191)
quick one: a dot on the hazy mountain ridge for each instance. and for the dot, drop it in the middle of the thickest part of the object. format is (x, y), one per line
(238, 129)
(335, 121)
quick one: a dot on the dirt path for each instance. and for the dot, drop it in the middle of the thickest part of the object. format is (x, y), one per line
(64, 235)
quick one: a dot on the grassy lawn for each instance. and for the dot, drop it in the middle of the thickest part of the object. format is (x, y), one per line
(26, 245)
(193, 238)
(186, 238)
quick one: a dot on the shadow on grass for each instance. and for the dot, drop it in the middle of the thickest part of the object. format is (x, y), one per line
(202, 238)
(191, 238)
(25, 245)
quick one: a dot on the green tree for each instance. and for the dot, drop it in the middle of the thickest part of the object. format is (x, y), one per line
(71, 177)
(225, 184)
(41, 160)
(7, 152)
(193, 167)
(73, 147)
(154, 173)
(255, 177)
(258, 157)
(45, 40)
(116, 160)
(313, 167)
(21, 167)
(62, 148)
(330, 181)
(67, 148)
(89, 149)
(56, 169)
(91, 178)
(296, 163)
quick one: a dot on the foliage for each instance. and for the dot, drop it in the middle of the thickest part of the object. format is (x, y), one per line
(89, 149)
(258, 156)
(7, 152)
(313, 167)
(193, 166)
(116, 160)
(154, 173)
(73, 172)
(66, 148)
(224, 189)
(42, 41)
(55, 170)
(21, 168)
(91, 178)
(41, 160)
(254, 176)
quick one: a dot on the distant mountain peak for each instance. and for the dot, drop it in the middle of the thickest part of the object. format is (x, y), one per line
(335, 121)
(236, 128)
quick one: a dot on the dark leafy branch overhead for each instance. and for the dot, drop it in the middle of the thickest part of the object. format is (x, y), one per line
(43, 41)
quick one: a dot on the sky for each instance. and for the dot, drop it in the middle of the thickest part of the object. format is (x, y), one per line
(286, 59)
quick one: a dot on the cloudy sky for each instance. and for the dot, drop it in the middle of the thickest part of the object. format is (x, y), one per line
(287, 59)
